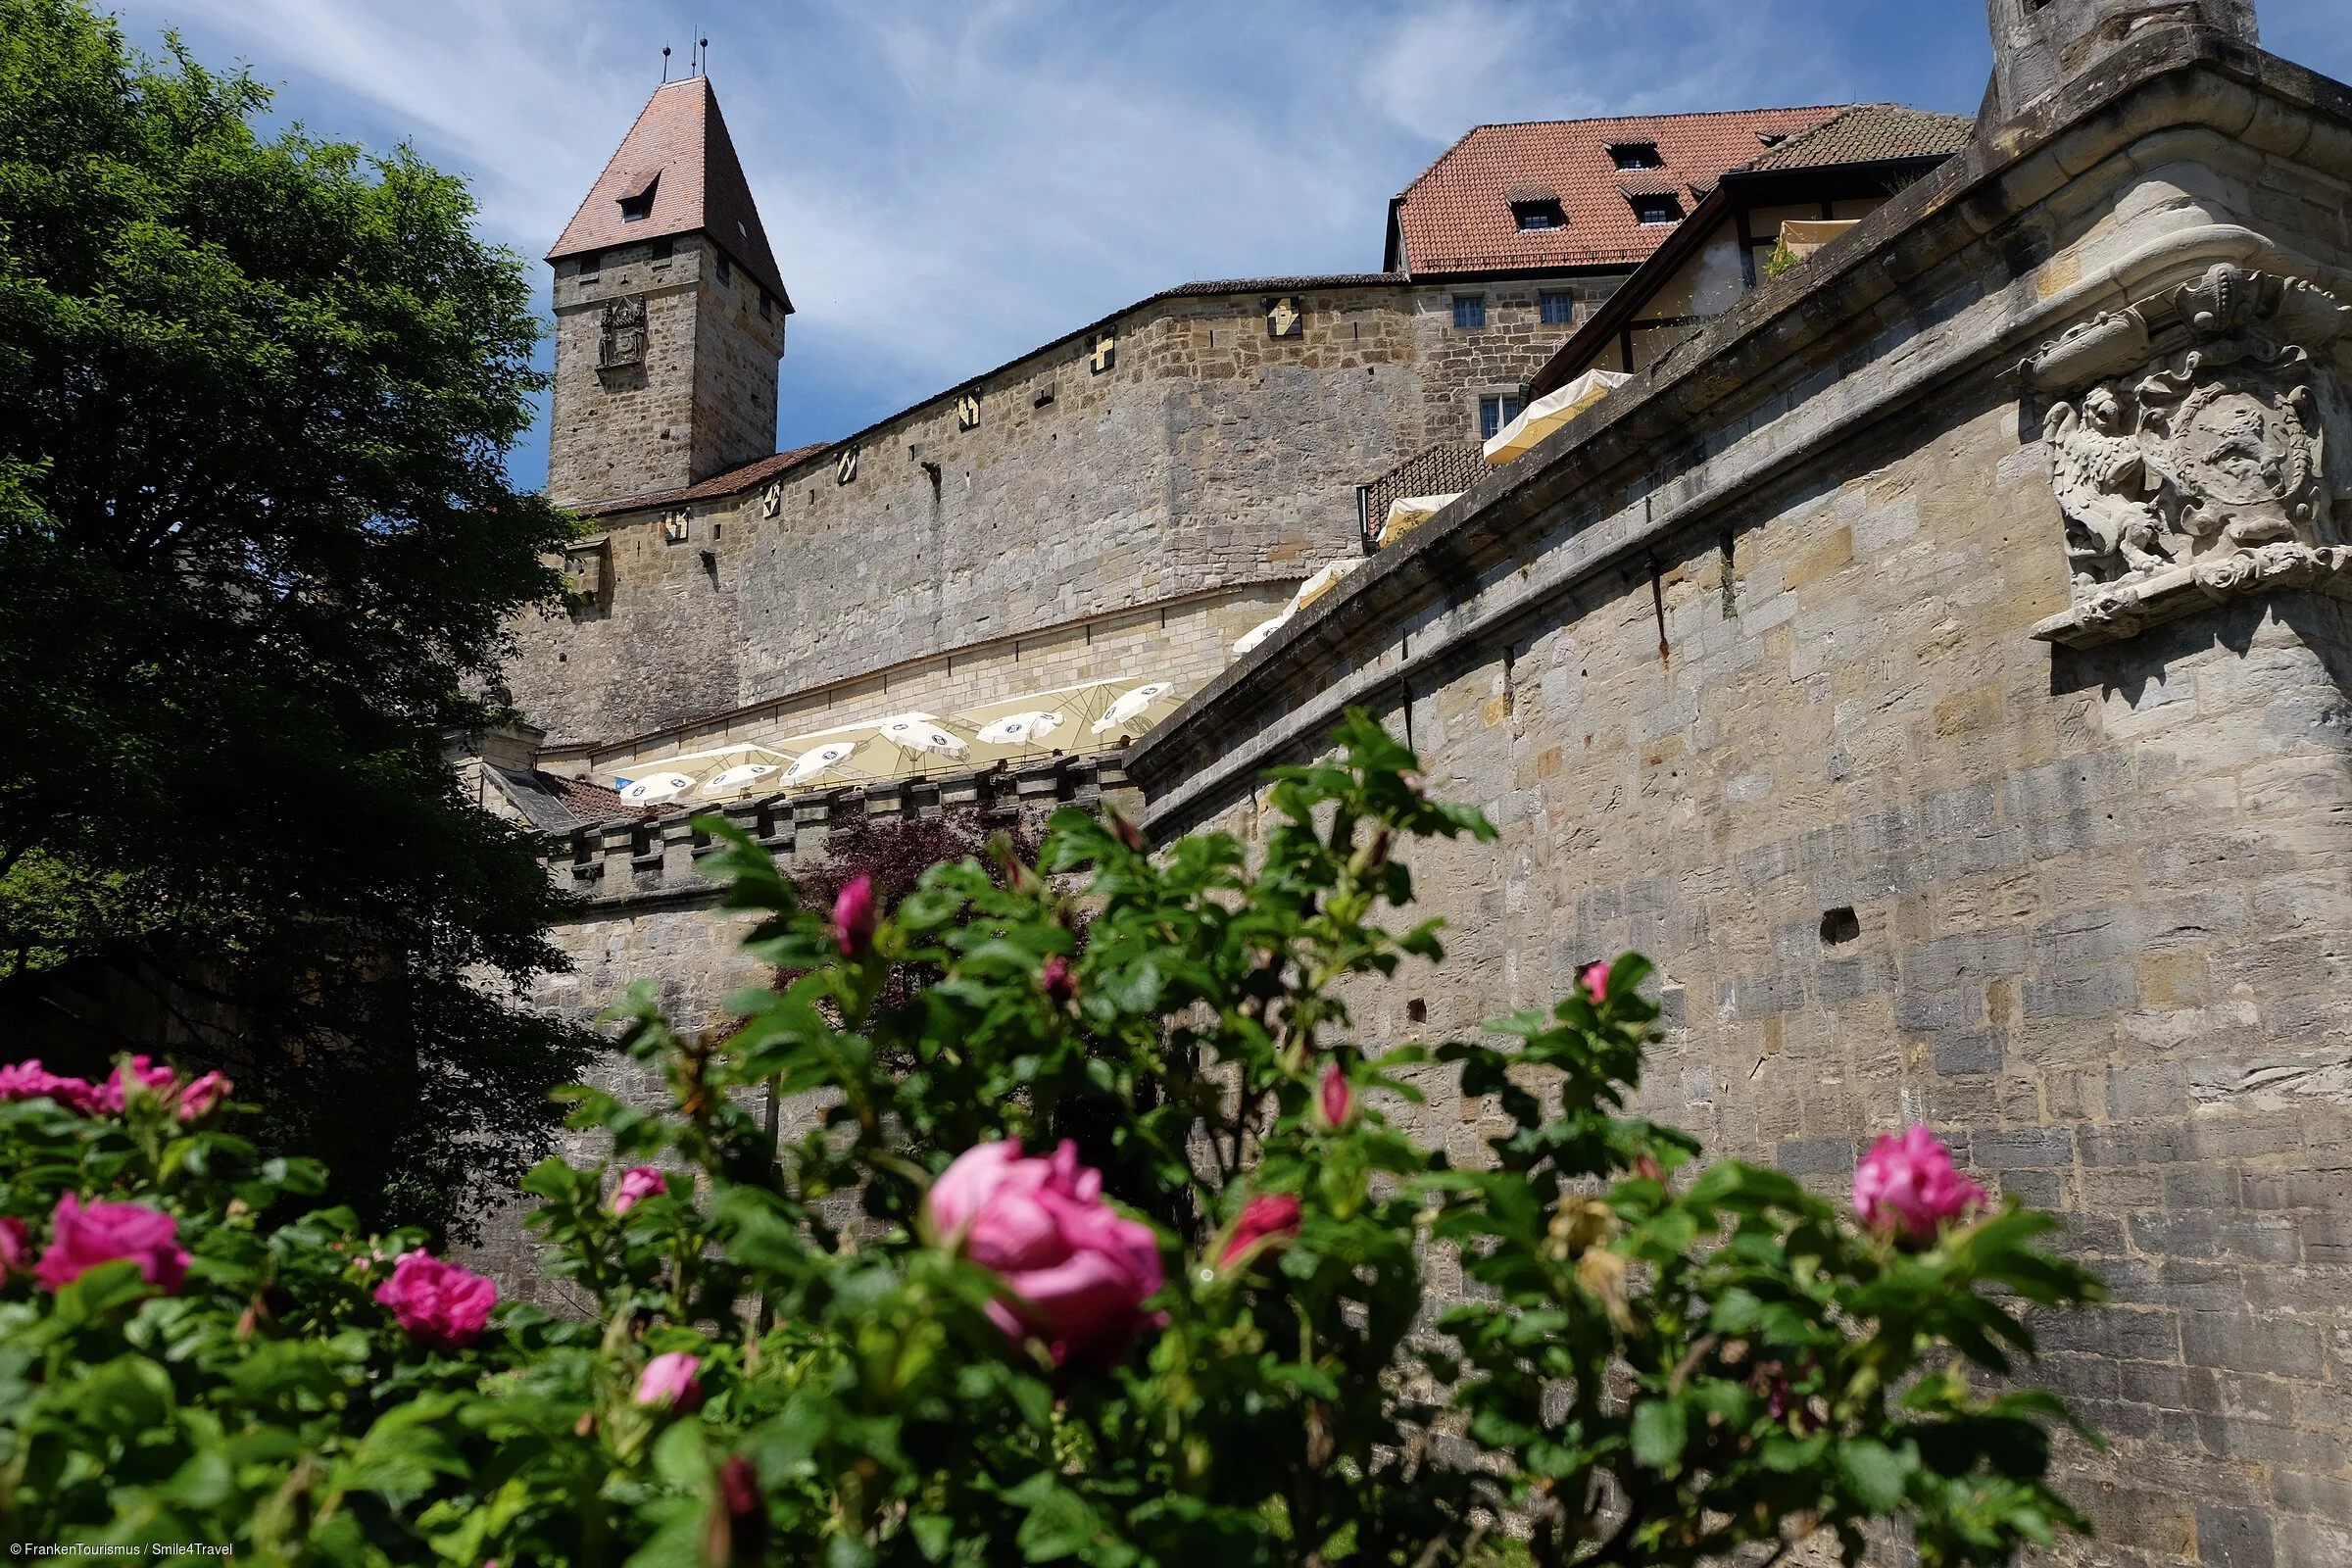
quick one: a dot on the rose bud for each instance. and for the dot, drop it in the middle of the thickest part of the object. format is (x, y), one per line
(1269, 1217)
(1596, 982)
(637, 1184)
(668, 1381)
(1334, 1100)
(853, 917)
(1059, 983)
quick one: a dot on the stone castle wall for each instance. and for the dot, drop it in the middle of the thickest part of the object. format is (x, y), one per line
(1209, 455)
(1743, 667)
(704, 397)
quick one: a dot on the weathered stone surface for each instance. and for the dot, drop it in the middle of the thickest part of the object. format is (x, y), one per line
(1742, 666)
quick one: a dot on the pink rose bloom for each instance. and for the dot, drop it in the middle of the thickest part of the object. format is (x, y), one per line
(1908, 1184)
(201, 1097)
(1055, 977)
(1595, 981)
(1079, 1271)
(668, 1381)
(140, 1071)
(441, 1307)
(854, 915)
(29, 1080)
(637, 1184)
(82, 1237)
(16, 1246)
(1335, 1102)
(1269, 1214)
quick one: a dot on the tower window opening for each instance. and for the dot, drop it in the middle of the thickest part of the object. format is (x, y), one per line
(1469, 311)
(1559, 308)
(1636, 154)
(636, 206)
(590, 264)
(726, 273)
(663, 249)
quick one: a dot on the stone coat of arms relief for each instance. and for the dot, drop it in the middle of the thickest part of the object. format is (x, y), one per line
(2189, 450)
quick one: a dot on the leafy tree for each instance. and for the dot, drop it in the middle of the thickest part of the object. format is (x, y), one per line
(886, 1342)
(255, 395)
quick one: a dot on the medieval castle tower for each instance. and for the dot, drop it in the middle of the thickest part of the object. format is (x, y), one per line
(1929, 643)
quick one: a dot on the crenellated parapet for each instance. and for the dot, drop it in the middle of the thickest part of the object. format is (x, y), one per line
(656, 860)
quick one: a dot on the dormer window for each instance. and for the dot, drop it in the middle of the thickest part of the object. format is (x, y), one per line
(1535, 207)
(1659, 208)
(636, 206)
(1636, 154)
(1772, 138)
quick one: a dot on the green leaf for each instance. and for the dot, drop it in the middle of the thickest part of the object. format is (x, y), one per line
(1659, 1432)
(1873, 1472)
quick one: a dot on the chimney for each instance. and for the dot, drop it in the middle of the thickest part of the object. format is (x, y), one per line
(2040, 45)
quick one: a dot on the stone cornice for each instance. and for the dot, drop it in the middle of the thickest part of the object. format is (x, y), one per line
(1899, 306)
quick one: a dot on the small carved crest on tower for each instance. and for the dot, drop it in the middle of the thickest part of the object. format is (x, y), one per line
(844, 467)
(967, 412)
(1286, 316)
(1105, 354)
(771, 498)
(674, 527)
(622, 340)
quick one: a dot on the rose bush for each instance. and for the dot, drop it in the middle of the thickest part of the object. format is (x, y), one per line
(925, 1328)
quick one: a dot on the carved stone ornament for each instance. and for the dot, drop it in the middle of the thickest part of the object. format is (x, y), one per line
(674, 527)
(621, 343)
(844, 467)
(967, 412)
(2190, 453)
(1284, 317)
(771, 498)
(1105, 354)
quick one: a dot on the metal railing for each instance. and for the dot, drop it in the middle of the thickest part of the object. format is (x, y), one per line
(1442, 469)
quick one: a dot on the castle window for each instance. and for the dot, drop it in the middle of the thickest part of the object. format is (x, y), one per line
(727, 273)
(1493, 413)
(663, 247)
(1657, 208)
(1636, 154)
(1559, 310)
(637, 205)
(589, 264)
(767, 307)
(1469, 311)
(1536, 216)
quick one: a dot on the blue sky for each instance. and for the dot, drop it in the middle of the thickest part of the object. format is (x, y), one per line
(948, 185)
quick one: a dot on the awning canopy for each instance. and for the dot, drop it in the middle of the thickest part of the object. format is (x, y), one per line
(1407, 512)
(1315, 588)
(1551, 411)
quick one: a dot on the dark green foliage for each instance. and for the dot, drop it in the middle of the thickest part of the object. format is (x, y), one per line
(1657, 1365)
(255, 396)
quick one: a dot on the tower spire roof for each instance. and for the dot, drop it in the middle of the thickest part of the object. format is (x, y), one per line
(675, 172)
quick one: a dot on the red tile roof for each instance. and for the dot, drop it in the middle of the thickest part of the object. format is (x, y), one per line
(1456, 217)
(680, 148)
(1869, 134)
(732, 482)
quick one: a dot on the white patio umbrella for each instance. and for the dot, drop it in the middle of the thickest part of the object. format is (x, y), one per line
(1407, 512)
(742, 776)
(654, 788)
(1551, 411)
(817, 759)
(1126, 710)
(921, 732)
(1026, 729)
